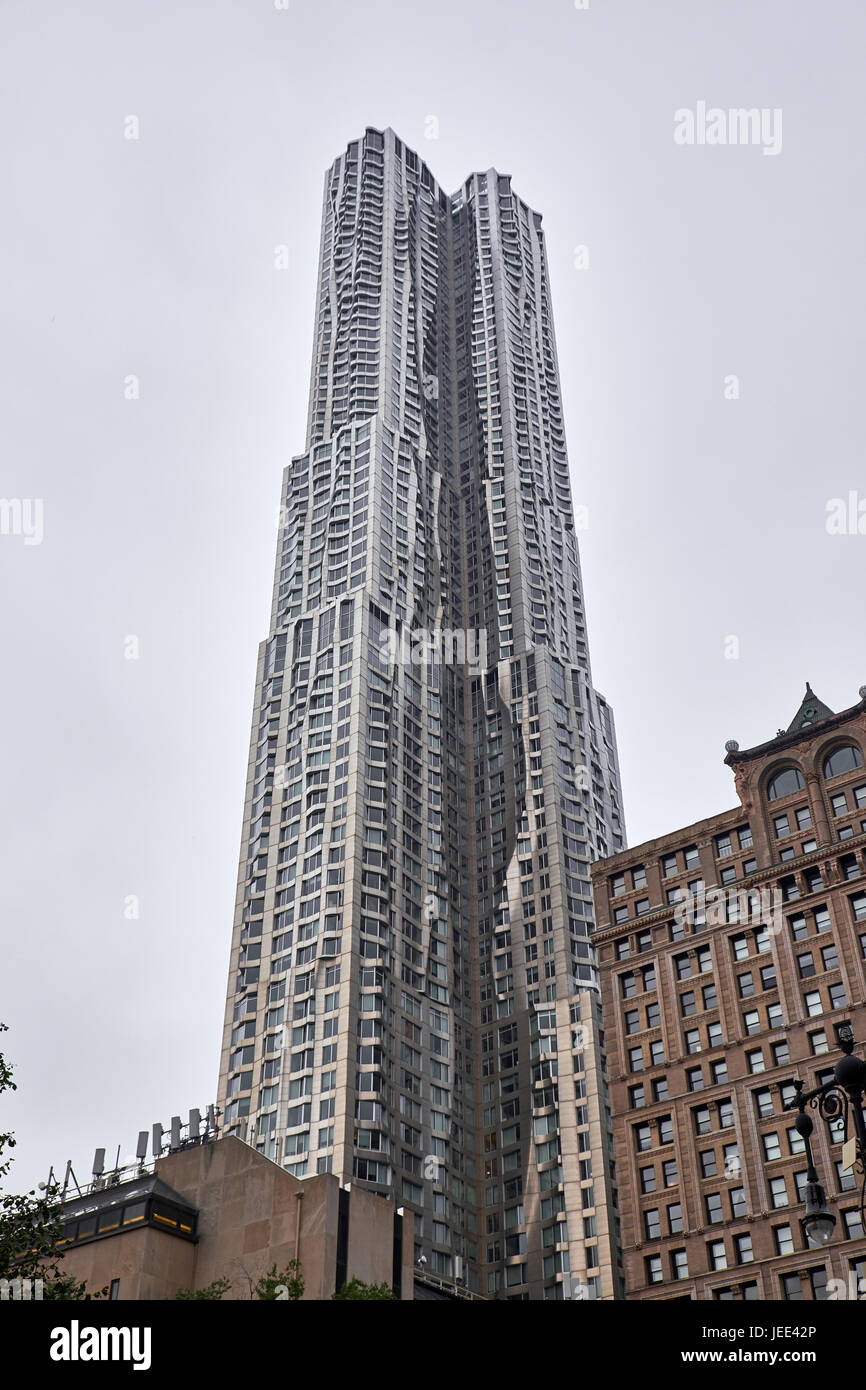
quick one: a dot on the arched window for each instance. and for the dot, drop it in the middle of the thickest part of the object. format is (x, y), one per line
(785, 783)
(844, 759)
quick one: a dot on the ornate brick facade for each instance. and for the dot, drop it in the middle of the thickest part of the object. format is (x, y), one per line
(728, 951)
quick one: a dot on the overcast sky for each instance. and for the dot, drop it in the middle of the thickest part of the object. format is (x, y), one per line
(154, 258)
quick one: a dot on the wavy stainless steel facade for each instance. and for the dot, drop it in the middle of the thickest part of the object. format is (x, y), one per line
(413, 995)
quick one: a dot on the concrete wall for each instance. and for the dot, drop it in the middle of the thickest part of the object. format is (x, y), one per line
(249, 1210)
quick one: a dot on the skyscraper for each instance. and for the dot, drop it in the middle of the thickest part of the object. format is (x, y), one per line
(412, 998)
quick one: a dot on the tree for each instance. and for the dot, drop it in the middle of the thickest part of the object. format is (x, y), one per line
(7, 1141)
(31, 1226)
(356, 1288)
(210, 1291)
(276, 1284)
(288, 1284)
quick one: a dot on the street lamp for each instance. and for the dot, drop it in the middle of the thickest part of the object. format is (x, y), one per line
(833, 1100)
(818, 1220)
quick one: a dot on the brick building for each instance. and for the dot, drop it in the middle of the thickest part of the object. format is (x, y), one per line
(728, 951)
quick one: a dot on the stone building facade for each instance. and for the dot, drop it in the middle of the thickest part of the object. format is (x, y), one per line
(728, 951)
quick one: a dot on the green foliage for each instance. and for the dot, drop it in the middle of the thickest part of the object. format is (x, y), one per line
(31, 1224)
(287, 1284)
(210, 1291)
(356, 1288)
(7, 1140)
(71, 1290)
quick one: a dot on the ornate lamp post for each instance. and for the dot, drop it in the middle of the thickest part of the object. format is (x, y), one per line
(835, 1100)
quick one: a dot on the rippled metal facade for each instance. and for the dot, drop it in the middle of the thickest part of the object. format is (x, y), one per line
(413, 996)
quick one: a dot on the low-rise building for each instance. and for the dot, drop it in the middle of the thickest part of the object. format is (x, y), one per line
(218, 1209)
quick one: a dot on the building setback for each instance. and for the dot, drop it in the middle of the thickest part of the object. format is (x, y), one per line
(728, 950)
(412, 1000)
(220, 1211)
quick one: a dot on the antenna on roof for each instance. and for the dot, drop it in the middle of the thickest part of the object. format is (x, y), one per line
(157, 1140)
(175, 1132)
(51, 1181)
(141, 1148)
(194, 1124)
(99, 1163)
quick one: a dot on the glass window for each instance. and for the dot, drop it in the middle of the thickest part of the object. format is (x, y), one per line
(743, 1247)
(813, 1003)
(844, 759)
(772, 1147)
(679, 1264)
(716, 1257)
(764, 1102)
(785, 783)
(778, 1192)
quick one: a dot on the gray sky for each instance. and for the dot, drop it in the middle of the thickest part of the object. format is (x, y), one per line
(155, 258)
